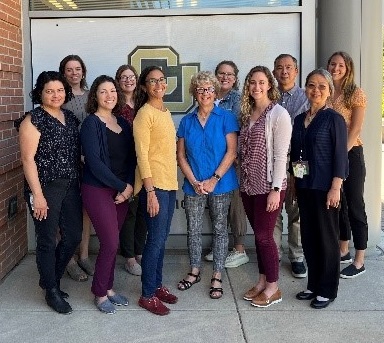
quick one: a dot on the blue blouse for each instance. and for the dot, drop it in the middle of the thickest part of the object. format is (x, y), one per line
(206, 146)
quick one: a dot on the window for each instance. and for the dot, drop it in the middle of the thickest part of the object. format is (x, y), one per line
(87, 5)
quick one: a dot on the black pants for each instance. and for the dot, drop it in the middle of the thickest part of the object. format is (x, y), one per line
(64, 212)
(319, 228)
(134, 231)
(352, 215)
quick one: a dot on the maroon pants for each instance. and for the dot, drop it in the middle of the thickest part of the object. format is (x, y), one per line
(107, 219)
(263, 223)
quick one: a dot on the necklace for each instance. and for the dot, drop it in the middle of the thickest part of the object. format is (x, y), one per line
(203, 117)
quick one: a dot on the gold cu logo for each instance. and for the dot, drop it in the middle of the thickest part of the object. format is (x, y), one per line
(178, 75)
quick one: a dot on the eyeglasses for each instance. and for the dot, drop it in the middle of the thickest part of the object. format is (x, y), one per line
(222, 74)
(201, 90)
(160, 81)
(320, 87)
(125, 78)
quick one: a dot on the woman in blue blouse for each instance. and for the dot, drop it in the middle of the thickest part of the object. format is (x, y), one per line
(319, 164)
(206, 149)
(108, 177)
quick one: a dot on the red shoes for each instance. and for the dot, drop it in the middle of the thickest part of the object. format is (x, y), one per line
(164, 295)
(154, 305)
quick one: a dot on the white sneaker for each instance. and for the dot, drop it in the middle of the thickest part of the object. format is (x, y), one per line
(209, 256)
(236, 259)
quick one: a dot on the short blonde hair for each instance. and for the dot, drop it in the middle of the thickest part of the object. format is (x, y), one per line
(200, 79)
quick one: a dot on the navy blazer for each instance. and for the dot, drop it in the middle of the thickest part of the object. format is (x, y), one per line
(324, 145)
(97, 170)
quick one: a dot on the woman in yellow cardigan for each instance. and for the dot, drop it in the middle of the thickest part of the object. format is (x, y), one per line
(156, 183)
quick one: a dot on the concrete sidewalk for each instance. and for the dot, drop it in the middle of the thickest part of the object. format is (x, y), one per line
(357, 315)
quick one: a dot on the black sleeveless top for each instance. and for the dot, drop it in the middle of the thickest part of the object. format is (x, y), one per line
(118, 153)
(58, 151)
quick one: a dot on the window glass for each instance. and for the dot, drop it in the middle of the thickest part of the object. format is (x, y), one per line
(86, 5)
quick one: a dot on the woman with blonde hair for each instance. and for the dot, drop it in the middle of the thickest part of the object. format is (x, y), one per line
(350, 101)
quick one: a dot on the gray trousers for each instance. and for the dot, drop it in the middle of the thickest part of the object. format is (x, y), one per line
(218, 211)
(295, 253)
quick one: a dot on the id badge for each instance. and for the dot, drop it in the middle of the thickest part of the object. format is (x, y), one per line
(300, 168)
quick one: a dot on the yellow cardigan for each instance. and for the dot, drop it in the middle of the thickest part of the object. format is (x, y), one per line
(155, 143)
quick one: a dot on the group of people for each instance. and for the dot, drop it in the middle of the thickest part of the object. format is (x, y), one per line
(242, 154)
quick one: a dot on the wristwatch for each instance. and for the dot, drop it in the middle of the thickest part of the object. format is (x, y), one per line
(276, 189)
(216, 176)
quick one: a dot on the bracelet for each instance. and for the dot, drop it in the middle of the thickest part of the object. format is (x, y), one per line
(123, 196)
(150, 190)
(217, 177)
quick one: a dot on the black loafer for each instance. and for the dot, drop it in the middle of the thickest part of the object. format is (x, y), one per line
(317, 304)
(305, 296)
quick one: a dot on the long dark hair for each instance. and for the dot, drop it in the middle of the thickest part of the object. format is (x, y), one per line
(66, 59)
(142, 96)
(91, 106)
(44, 78)
(123, 68)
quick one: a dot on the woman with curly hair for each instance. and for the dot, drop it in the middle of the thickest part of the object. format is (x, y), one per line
(50, 153)
(206, 149)
(107, 183)
(264, 141)
(350, 101)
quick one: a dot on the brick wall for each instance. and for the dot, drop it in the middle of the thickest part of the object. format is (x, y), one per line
(13, 232)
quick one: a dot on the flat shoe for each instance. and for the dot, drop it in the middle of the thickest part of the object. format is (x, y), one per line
(118, 300)
(106, 306)
(305, 296)
(252, 293)
(87, 266)
(76, 273)
(263, 301)
(317, 304)
(134, 269)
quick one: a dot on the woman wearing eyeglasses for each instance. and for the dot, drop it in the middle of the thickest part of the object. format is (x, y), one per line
(156, 183)
(134, 231)
(319, 164)
(206, 149)
(229, 99)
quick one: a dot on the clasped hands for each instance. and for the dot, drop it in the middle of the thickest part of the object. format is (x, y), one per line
(205, 186)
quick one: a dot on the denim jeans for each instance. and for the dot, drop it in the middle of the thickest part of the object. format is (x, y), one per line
(157, 232)
(64, 212)
(218, 211)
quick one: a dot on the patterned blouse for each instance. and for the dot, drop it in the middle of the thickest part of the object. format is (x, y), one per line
(58, 151)
(359, 99)
(253, 152)
(128, 113)
(77, 105)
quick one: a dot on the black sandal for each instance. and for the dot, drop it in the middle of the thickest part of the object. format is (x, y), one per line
(185, 284)
(212, 290)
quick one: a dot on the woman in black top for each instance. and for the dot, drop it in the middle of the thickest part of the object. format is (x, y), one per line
(319, 163)
(108, 177)
(50, 153)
